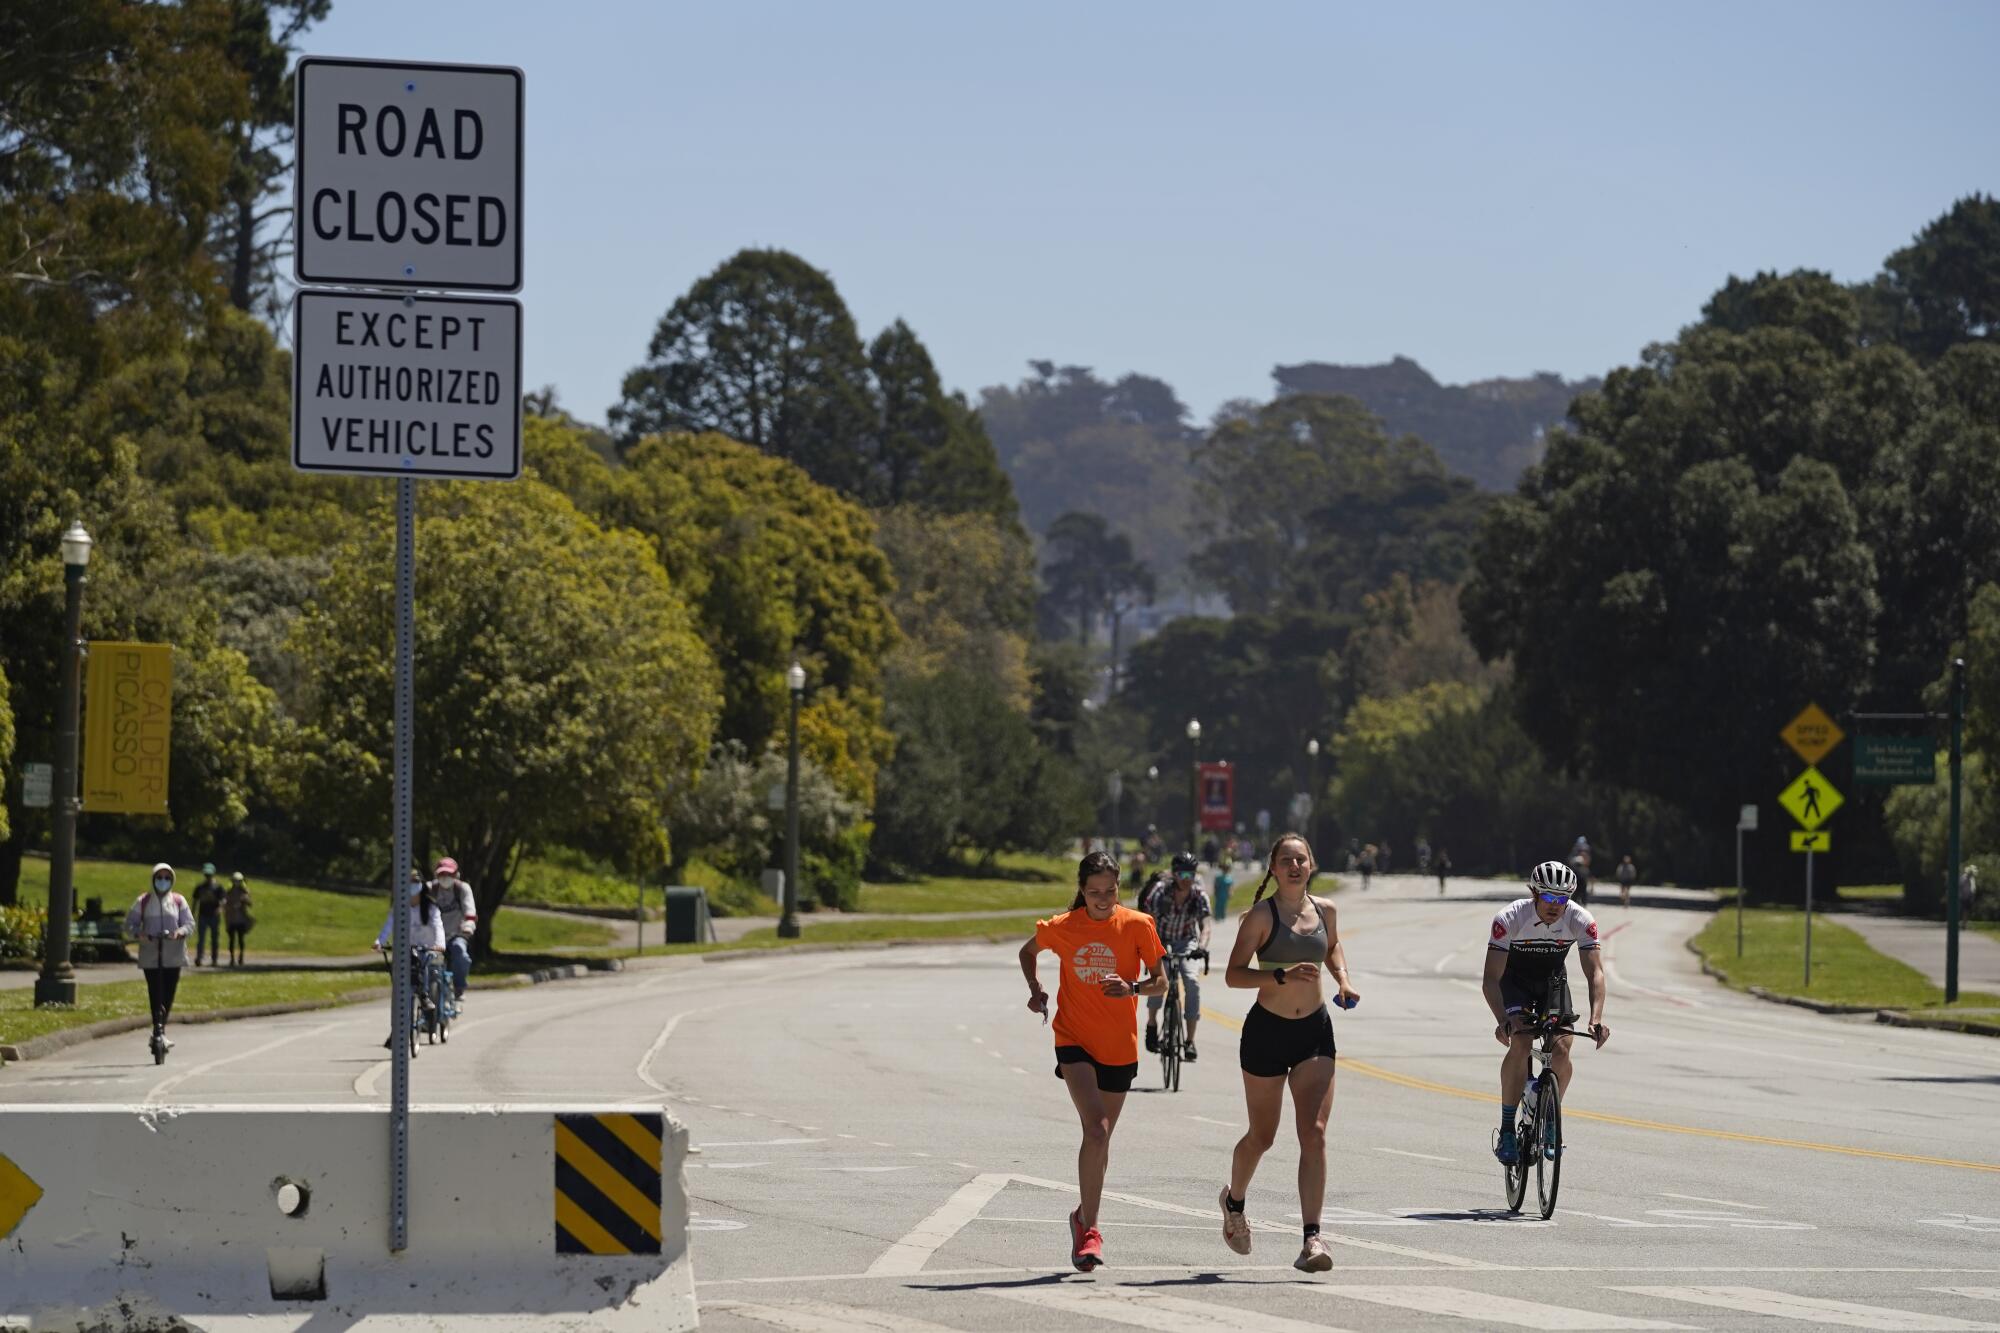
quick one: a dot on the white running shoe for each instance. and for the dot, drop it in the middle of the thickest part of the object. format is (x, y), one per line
(1314, 1258)
(1235, 1226)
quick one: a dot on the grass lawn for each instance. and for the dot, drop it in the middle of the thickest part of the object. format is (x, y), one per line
(298, 922)
(199, 992)
(1845, 970)
(560, 884)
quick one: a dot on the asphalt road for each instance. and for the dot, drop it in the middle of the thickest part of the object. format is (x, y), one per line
(883, 1146)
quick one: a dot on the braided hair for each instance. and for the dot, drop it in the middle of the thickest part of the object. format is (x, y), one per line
(1093, 863)
(1271, 860)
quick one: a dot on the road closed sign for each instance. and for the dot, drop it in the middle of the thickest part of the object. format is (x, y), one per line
(408, 174)
(418, 386)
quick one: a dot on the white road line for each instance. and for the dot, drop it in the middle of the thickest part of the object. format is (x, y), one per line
(660, 1044)
(1330, 1237)
(1141, 1308)
(1017, 1069)
(1438, 967)
(1726, 1203)
(1428, 1157)
(907, 1166)
(794, 1279)
(1226, 1124)
(1634, 1222)
(1976, 1293)
(759, 1143)
(172, 1081)
(723, 1166)
(1814, 1309)
(1486, 1308)
(822, 1317)
(913, 1251)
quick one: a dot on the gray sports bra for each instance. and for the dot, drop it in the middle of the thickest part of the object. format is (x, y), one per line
(1288, 946)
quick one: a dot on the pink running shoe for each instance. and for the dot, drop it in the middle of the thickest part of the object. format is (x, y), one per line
(1235, 1226)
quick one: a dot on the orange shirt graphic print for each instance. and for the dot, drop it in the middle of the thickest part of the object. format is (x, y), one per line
(1091, 953)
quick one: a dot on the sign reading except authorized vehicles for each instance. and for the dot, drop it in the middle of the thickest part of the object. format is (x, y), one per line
(408, 174)
(38, 786)
(418, 386)
(1812, 734)
(1811, 799)
(1818, 841)
(1895, 761)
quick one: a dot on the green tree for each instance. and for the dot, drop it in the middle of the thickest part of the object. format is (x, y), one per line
(248, 239)
(576, 705)
(1092, 574)
(1353, 508)
(964, 597)
(778, 568)
(1943, 288)
(932, 449)
(762, 350)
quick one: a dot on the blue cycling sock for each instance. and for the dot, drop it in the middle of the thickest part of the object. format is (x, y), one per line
(1507, 1116)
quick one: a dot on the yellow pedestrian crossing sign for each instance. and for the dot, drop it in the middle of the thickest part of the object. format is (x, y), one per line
(1811, 799)
(1802, 841)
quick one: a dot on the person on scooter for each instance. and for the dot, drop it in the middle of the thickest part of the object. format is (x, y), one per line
(161, 922)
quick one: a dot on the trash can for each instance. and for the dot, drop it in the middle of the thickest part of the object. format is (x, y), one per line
(687, 914)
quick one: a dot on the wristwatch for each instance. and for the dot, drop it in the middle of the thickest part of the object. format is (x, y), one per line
(1281, 976)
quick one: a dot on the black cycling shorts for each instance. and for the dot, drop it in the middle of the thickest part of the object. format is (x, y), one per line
(1526, 994)
(1110, 1078)
(1272, 1047)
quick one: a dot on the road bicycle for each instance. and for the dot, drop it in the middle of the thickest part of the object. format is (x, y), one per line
(1173, 1023)
(443, 1005)
(1538, 1124)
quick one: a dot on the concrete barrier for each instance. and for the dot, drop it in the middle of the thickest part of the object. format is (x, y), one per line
(217, 1218)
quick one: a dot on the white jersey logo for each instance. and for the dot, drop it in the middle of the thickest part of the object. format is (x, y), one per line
(1095, 963)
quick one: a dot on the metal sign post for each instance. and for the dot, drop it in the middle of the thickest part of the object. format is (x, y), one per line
(1746, 822)
(1809, 870)
(400, 1035)
(1952, 889)
(407, 175)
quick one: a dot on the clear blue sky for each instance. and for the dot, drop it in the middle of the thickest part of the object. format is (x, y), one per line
(1202, 191)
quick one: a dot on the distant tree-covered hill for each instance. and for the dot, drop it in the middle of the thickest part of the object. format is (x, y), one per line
(1489, 430)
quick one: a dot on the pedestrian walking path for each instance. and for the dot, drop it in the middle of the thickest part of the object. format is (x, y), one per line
(1920, 943)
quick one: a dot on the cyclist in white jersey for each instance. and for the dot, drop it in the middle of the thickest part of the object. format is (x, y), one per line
(1527, 953)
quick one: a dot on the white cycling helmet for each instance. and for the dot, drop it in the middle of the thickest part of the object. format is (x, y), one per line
(1552, 877)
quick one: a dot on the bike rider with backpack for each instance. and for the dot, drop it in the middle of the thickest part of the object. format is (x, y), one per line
(461, 918)
(426, 935)
(1180, 915)
(1527, 974)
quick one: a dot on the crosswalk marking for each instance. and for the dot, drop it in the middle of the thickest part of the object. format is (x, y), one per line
(1976, 1293)
(1784, 1305)
(913, 1251)
(1160, 1313)
(822, 1317)
(1487, 1308)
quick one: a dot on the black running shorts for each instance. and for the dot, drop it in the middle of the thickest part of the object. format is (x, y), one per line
(1273, 1047)
(1110, 1078)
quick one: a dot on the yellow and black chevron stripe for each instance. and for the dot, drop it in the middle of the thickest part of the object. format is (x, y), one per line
(608, 1184)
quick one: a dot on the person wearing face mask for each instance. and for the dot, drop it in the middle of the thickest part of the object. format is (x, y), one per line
(161, 922)
(461, 918)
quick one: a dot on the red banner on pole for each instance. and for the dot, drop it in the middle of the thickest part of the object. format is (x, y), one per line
(1218, 797)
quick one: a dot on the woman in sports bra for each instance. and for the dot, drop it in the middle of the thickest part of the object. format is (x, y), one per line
(1283, 944)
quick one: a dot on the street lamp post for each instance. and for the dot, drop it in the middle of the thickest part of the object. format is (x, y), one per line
(1116, 786)
(1194, 784)
(788, 924)
(1312, 816)
(57, 983)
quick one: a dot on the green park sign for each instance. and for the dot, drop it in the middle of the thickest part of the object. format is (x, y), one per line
(1895, 761)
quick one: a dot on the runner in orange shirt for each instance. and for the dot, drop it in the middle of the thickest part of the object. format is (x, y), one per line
(1103, 947)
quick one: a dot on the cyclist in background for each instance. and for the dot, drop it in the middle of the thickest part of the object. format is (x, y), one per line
(460, 911)
(426, 936)
(1180, 916)
(1527, 974)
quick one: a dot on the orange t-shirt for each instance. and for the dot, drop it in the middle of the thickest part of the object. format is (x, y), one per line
(1092, 952)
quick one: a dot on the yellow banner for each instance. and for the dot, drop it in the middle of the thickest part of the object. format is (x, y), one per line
(127, 720)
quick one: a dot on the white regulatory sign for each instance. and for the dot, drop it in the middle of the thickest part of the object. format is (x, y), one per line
(38, 785)
(408, 174)
(417, 386)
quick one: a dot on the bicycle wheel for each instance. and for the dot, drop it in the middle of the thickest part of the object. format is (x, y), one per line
(1516, 1175)
(441, 1002)
(1548, 1144)
(1170, 1043)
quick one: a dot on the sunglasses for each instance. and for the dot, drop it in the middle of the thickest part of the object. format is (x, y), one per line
(1553, 897)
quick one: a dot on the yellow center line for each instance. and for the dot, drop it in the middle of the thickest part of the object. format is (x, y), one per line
(1659, 1126)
